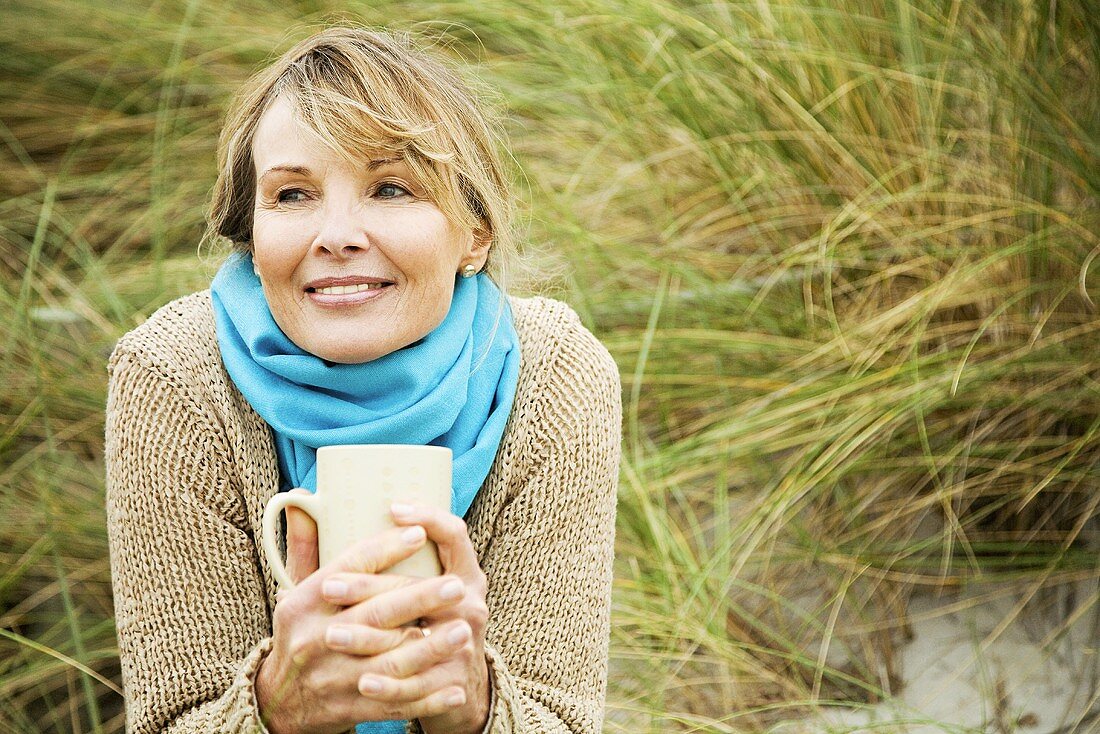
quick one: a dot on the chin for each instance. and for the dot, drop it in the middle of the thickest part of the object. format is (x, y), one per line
(343, 356)
(349, 350)
(356, 344)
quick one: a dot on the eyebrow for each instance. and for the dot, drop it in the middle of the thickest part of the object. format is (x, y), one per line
(304, 170)
(300, 170)
(380, 162)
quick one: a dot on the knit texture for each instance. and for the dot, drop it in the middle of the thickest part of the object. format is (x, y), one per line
(190, 467)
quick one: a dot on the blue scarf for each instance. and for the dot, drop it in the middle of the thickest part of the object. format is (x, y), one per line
(453, 388)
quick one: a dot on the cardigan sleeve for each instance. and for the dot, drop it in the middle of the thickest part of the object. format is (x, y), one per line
(190, 602)
(549, 560)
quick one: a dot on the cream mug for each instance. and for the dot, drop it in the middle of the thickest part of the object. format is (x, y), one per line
(355, 487)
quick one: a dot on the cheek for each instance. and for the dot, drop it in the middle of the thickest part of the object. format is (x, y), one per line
(438, 284)
(273, 250)
(433, 293)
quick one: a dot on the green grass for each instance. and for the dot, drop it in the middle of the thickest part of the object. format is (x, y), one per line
(845, 254)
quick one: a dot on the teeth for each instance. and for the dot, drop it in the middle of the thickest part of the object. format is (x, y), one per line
(340, 290)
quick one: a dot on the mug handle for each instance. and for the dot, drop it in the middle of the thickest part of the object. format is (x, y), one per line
(308, 503)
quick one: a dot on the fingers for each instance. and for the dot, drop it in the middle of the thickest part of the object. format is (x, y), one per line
(406, 605)
(348, 622)
(397, 705)
(301, 542)
(355, 574)
(379, 553)
(448, 531)
(343, 589)
(358, 575)
(356, 639)
(412, 671)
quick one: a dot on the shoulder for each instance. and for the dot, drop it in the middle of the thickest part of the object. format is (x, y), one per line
(554, 342)
(569, 384)
(177, 348)
(168, 392)
(176, 341)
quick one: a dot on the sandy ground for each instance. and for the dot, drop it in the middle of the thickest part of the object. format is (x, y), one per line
(968, 670)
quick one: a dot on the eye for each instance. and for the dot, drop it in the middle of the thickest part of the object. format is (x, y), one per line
(291, 196)
(390, 191)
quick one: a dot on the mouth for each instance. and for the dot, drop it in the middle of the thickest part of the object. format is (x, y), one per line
(343, 290)
(346, 289)
(346, 285)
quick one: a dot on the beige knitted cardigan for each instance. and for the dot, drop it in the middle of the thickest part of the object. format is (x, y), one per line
(190, 466)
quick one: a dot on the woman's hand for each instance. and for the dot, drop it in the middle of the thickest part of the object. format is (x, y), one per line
(343, 648)
(469, 612)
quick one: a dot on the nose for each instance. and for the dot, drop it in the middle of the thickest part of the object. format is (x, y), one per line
(342, 234)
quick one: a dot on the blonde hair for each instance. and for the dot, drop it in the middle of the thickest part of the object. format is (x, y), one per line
(363, 92)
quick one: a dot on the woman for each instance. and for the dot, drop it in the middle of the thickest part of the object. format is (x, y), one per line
(367, 206)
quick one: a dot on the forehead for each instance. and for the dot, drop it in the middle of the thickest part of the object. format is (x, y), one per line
(280, 136)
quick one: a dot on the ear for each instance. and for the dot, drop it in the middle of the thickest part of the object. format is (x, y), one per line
(478, 252)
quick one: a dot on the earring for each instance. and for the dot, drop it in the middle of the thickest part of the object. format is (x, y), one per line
(469, 271)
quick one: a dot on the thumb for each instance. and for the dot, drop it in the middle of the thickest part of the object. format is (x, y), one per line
(301, 542)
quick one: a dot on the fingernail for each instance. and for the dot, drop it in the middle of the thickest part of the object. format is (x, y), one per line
(338, 637)
(456, 699)
(333, 589)
(413, 535)
(458, 635)
(452, 590)
(400, 508)
(370, 685)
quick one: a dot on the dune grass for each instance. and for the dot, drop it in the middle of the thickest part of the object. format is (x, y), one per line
(845, 254)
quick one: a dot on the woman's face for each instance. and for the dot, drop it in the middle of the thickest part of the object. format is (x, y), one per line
(355, 261)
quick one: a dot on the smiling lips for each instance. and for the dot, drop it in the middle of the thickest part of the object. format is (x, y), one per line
(339, 290)
(345, 290)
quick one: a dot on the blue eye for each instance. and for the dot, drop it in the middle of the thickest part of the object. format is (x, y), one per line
(291, 196)
(390, 191)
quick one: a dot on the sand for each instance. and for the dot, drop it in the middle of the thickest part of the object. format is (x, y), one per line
(997, 659)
